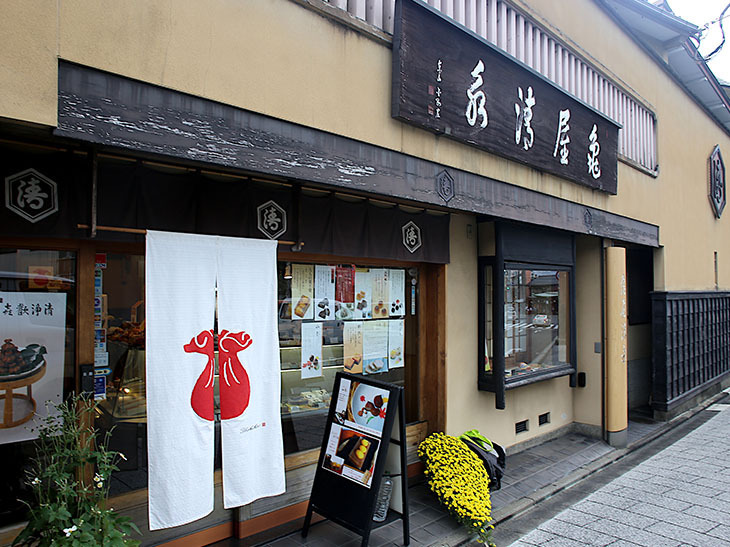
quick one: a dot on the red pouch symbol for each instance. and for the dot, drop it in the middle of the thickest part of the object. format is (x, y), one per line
(202, 397)
(235, 387)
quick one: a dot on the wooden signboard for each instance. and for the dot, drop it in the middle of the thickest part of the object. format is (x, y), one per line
(451, 81)
(359, 430)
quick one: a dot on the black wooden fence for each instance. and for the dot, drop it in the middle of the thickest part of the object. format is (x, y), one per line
(691, 344)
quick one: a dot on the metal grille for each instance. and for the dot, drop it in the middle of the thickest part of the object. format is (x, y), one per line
(521, 427)
(543, 419)
(508, 29)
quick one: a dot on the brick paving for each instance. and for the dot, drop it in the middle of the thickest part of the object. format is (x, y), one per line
(680, 496)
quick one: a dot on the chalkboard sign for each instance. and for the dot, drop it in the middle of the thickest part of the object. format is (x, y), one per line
(359, 431)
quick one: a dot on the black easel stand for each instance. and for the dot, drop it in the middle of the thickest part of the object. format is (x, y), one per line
(343, 501)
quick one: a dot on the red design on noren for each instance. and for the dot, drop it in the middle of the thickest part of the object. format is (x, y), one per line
(202, 397)
(234, 384)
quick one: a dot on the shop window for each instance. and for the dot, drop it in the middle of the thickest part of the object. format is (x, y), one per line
(37, 333)
(365, 325)
(526, 309)
(339, 318)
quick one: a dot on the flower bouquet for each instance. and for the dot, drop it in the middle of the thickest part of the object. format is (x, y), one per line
(458, 478)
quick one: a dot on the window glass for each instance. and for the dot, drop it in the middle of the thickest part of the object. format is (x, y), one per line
(536, 320)
(390, 350)
(37, 333)
(120, 364)
(340, 318)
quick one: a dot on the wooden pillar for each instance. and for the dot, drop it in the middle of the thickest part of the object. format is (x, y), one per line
(616, 344)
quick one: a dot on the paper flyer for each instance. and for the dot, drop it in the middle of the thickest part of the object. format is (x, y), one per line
(345, 293)
(396, 354)
(355, 435)
(302, 291)
(352, 348)
(324, 292)
(351, 454)
(397, 293)
(381, 288)
(33, 327)
(363, 293)
(375, 347)
(311, 360)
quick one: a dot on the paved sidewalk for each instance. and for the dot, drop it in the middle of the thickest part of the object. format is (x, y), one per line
(680, 496)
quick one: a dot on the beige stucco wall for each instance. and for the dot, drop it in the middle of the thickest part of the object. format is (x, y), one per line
(588, 329)
(466, 406)
(283, 60)
(28, 79)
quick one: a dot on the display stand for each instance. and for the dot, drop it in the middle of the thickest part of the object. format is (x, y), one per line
(359, 431)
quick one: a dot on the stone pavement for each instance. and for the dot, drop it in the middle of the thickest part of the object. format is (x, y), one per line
(533, 478)
(680, 496)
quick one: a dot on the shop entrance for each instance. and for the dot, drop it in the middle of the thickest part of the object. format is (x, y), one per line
(640, 283)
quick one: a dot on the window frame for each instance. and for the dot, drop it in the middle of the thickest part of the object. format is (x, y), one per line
(496, 381)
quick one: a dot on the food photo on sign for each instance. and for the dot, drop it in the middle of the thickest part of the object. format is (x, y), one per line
(32, 332)
(352, 454)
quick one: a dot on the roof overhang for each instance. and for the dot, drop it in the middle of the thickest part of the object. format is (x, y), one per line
(666, 38)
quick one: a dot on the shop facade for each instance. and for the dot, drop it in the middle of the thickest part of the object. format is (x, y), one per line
(515, 193)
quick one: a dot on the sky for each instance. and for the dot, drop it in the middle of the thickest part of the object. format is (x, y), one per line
(700, 12)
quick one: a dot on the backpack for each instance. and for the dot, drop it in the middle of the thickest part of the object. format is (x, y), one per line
(490, 453)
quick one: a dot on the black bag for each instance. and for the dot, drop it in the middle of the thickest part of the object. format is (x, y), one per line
(493, 463)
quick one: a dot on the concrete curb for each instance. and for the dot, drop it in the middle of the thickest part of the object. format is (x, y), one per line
(460, 537)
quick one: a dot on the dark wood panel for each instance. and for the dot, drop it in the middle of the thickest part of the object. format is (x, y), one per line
(450, 81)
(106, 109)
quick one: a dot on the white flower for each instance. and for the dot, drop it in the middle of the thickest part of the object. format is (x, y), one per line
(35, 481)
(99, 484)
(123, 456)
(71, 530)
(97, 478)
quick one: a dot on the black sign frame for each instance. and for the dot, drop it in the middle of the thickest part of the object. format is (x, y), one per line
(453, 82)
(344, 501)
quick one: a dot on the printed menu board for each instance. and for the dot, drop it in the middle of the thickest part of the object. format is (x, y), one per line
(345, 293)
(363, 293)
(324, 293)
(381, 288)
(311, 359)
(397, 293)
(375, 347)
(352, 350)
(359, 441)
(396, 332)
(356, 433)
(302, 291)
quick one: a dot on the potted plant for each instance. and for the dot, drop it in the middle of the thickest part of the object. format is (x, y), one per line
(458, 478)
(69, 507)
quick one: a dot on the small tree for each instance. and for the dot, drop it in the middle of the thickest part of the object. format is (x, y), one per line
(69, 510)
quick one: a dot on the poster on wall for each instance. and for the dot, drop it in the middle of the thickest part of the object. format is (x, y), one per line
(352, 351)
(33, 332)
(302, 291)
(311, 360)
(363, 293)
(381, 288)
(397, 293)
(396, 355)
(345, 293)
(356, 435)
(375, 347)
(324, 292)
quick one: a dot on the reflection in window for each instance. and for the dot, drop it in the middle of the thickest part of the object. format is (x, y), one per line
(38, 311)
(536, 324)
